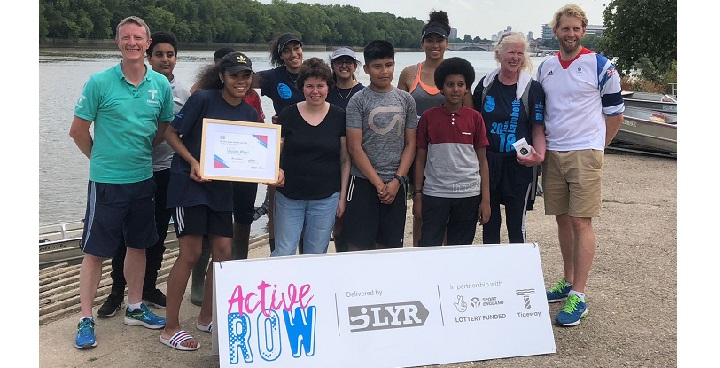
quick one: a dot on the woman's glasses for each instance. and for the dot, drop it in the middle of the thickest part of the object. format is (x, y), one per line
(343, 62)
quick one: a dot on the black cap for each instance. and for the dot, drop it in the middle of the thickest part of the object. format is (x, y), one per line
(284, 39)
(235, 62)
(435, 29)
(222, 52)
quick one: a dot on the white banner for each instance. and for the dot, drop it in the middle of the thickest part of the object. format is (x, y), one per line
(389, 308)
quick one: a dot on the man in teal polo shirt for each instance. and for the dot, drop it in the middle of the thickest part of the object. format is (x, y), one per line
(131, 105)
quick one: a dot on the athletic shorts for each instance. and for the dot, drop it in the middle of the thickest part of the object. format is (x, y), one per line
(367, 221)
(244, 202)
(572, 183)
(202, 220)
(119, 211)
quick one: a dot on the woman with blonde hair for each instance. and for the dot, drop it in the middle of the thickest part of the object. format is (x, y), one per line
(512, 106)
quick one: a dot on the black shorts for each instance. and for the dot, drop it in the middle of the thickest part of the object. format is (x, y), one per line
(244, 202)
(202, 220)
(368, 222)
(116, 212)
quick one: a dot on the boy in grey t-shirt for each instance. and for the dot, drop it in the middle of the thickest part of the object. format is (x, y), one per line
(381, 125)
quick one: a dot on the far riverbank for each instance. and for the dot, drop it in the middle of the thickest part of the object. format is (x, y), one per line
(110, 45)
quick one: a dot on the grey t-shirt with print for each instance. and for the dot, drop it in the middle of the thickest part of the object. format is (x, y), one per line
(383, 118)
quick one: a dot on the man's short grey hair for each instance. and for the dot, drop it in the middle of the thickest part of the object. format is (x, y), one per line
(135, 20)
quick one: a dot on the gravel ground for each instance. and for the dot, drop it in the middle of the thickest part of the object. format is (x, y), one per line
(631, 291)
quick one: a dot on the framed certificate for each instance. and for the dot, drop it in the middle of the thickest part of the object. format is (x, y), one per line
(240, 151)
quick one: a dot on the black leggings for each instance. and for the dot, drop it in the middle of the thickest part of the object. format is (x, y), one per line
(514, 216)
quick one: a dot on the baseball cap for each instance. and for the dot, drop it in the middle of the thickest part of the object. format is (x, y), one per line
(437, 29)
(343, 51)
(284, 39)
(235, 62)
(219, 53)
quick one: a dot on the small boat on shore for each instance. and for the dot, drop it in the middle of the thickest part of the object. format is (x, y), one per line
(654, 101)
(60, 243)
(647, 130)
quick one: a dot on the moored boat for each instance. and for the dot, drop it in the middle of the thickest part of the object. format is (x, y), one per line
(647, 130)
(654, 101)
(60, 243)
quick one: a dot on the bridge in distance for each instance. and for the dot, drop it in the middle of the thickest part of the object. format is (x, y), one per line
(470, 46)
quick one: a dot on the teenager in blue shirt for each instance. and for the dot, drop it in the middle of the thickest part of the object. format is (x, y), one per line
(202, 207)
(280, 85)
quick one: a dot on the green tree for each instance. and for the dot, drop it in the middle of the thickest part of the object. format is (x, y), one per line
(590, 41)
(43, 23)
(159, 19)
(641, 31)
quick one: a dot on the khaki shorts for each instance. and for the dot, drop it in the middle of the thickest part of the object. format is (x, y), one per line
(572, 183)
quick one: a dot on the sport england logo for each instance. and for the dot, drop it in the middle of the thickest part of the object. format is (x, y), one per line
(386, 316)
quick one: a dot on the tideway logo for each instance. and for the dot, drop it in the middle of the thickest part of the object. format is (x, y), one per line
(385, 316)
(152, 100)
(525, 294)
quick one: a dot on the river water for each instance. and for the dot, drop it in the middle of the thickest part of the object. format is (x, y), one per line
(63, 171)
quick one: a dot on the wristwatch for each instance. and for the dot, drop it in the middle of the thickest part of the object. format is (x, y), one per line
(401, 179)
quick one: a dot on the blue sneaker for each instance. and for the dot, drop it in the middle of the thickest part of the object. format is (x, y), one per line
(572, 312)
(559, 291)
(85, 338)
(144, 317)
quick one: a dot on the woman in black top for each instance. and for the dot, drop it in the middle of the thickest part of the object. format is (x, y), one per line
(314, 165)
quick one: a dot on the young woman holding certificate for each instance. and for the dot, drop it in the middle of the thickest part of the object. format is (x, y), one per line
(202, 207)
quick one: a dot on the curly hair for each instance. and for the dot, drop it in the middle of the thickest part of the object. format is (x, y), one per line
(314, 68)
(208, 77)
(454, 65)
(438, 19)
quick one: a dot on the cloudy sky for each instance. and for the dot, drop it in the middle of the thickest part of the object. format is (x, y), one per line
(477, 17)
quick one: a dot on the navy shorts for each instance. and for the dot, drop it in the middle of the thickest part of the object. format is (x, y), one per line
(202, 220)
(368, 222)
(119, 211)
(244, 202)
